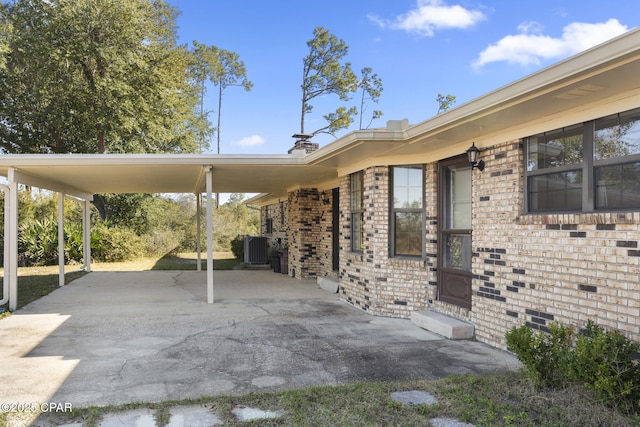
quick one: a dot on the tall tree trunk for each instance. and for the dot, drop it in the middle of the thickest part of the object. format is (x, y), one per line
(100, 140)
(99, 203)
(218, 132)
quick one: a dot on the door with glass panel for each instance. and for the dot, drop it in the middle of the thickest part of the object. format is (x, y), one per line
(454, 233)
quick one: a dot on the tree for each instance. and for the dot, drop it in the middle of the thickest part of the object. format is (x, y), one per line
(222, 68)
(5, 34)
(325, 74)
(232, 219)
(370, 85)
(445, 102)
(231, 72)
(103, 76)
(205, 64)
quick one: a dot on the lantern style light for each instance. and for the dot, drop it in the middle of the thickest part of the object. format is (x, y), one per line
(473, 153)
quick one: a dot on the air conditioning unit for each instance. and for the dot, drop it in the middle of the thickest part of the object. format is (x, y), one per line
(255, 250)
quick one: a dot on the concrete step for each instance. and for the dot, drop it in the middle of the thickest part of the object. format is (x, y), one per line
(329, 284)
(441, 324)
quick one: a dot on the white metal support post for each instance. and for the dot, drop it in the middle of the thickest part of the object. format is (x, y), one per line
(12, 230)
(60, 239)
(198, 234)
(86, 234)
(209, 185)
(7, 254)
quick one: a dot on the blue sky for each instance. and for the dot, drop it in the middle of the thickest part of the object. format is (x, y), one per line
(419, 48)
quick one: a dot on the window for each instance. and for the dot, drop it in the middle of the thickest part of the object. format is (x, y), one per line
(617, 162)
(407, 208)
(587, 167)
(357, 212)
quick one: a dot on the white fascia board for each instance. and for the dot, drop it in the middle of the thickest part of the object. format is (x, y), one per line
(264, 199)
(591, 61)
(26, 179)
(16, 160)
(352, 140)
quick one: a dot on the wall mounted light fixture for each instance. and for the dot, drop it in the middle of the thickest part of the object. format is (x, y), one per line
(473, 152)
(324, 197)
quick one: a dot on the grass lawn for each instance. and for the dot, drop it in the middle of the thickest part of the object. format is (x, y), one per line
(485, 400)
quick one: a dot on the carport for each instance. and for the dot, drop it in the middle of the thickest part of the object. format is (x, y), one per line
(80, 176)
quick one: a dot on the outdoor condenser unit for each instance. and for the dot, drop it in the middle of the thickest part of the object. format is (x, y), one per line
(255, 250)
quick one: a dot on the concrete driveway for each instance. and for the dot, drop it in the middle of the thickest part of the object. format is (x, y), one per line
(113, 338)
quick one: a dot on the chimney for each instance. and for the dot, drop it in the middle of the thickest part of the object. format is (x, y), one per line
(303, 143)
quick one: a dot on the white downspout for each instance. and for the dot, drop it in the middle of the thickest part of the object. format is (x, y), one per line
(61, 239)
(209, 179)
(7, 253)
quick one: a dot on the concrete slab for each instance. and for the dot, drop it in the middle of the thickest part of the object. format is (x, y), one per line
(137, 417)
(447, 326)
(414, 397)
(115, 338)
(245, 413)
(193, 416)
(448, 422)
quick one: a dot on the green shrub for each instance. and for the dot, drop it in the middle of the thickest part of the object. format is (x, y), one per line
(237, 247)
(38, 241)
(605, 361)
(73, 244)
(546, 357)
(161, 242)
(113, 244)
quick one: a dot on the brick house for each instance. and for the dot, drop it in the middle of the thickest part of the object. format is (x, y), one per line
(547, 231)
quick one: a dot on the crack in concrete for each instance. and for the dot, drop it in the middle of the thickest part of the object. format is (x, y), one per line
(256, 305)
(192, 297)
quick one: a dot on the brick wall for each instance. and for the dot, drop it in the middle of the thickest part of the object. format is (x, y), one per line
(532, 269)
(372, 280)
(536, 269)
(278, 237)
(325, 236)
(310, 237)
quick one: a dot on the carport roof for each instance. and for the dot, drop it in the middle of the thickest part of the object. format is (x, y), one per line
(163, 173)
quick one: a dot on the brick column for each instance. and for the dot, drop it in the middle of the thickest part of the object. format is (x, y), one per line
(305, 218)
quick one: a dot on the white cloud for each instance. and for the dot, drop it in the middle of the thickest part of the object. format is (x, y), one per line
(251, 141)
(432, 15)
(530, 47)
(530, 27)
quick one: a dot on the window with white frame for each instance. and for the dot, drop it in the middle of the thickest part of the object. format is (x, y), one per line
(593, 166)
(407, 211)
(357, 211)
